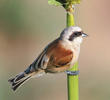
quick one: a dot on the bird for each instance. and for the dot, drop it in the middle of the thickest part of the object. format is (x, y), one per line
(58, 56)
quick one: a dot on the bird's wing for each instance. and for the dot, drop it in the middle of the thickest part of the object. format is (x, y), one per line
(41, 61)
(54, 55)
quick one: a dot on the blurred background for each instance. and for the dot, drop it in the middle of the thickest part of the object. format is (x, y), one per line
(27, 26)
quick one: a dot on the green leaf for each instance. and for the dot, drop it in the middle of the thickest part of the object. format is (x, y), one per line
(54, 2)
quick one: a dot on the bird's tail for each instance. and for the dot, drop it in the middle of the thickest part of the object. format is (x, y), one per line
(23, 77)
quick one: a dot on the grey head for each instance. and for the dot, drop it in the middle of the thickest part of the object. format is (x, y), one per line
(73, 34)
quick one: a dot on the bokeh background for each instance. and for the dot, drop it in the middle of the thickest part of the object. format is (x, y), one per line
(27, 26)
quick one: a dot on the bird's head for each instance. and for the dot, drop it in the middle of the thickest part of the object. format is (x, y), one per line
(73, 34)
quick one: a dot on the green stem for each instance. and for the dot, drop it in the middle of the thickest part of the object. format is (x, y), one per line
(72, 81)
(70, 20)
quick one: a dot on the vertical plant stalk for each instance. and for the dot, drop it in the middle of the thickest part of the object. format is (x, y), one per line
(72, 81)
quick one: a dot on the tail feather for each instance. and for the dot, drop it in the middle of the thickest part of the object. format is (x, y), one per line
(19, 80)
(23, 77)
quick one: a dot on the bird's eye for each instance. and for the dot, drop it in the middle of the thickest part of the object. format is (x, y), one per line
(77, 33)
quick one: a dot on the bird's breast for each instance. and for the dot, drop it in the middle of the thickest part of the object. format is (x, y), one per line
(75, 48)
(76, 51)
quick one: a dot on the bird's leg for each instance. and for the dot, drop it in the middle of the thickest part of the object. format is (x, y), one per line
(72, 72)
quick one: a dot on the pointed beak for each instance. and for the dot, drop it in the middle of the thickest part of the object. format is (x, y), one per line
(84, 35)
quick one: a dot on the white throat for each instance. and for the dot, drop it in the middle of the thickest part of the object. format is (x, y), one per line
(77, 40)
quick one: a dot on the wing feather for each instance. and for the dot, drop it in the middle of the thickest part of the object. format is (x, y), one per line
(55, 55)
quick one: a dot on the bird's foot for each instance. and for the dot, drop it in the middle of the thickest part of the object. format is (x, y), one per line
(72, 72)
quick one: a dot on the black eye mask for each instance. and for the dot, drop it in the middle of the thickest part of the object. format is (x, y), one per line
(75, 34)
